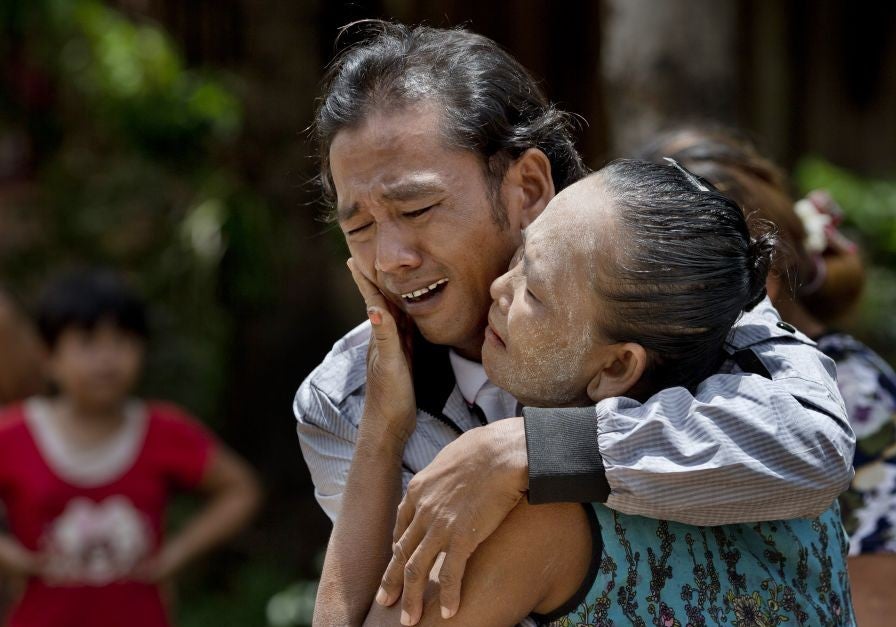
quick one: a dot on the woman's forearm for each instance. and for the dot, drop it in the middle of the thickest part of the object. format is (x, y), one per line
(360, 545)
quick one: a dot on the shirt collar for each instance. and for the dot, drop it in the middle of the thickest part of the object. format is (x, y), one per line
(433, 376)
(470, 376)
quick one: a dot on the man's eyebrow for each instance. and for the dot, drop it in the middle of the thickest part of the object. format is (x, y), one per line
(411, 190)
(403, 191)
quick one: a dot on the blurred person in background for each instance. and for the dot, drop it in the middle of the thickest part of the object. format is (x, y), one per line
(437, 150)
(21, 375)
(86, 474)
(22, 367)
(817, 278)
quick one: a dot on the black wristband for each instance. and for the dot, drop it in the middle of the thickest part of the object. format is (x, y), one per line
(565, 464)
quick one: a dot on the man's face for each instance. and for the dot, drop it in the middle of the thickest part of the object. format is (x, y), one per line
(543, 338)
(419, 221)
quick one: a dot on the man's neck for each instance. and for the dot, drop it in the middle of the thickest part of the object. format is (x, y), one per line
(471, 350)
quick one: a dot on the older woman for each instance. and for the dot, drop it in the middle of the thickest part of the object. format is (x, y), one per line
(638, 282)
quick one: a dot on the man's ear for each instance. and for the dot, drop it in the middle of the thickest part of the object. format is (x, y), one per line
(621, 368)
(527, 187)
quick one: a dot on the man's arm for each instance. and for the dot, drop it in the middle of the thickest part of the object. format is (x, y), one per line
(536, 561)
(359, 545)
(328, 454)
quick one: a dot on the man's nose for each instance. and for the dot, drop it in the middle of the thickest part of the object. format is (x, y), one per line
(395, 250)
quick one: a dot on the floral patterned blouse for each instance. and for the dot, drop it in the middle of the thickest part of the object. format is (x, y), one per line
(868, 386)
(656, 572)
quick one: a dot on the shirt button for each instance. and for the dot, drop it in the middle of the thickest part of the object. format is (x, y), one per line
(787, 327)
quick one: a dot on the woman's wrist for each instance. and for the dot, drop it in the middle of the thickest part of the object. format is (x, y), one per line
(508, 444)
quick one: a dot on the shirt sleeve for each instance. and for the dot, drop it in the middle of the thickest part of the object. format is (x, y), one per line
(743, 448)
(327, 439)
(188, 446)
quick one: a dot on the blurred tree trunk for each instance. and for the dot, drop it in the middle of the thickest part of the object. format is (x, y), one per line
(665, 63)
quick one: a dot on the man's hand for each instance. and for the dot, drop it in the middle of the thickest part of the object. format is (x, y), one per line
(452, 506)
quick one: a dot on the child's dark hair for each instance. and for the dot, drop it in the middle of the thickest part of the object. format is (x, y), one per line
(83, 299)
(685, 268)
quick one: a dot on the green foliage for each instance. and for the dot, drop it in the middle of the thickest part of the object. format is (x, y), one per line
(132, 80)
(242, 600)
(869, 205)
(127, 166)
(136, 179)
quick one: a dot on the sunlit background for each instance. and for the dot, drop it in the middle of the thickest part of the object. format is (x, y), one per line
(167, 138)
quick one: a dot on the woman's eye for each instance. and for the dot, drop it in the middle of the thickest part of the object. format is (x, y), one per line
(358, 229)
(418, 212)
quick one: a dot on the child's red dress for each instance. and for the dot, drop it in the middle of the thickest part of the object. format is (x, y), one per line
(95, 516)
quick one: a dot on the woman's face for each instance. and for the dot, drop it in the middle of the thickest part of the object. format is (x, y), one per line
(543, 342)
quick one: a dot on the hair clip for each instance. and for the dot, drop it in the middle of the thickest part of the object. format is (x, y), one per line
(690, 177)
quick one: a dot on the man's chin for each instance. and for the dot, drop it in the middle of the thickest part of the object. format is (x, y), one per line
(440, 330)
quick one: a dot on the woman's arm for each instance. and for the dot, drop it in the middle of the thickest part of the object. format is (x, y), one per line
(536, 561)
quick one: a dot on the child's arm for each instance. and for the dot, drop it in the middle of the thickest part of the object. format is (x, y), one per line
(233, 497)
(15, 559)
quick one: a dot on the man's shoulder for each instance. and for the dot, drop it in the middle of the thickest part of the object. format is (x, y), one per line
(341, 374)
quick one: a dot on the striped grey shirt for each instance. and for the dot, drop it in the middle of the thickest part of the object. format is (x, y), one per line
(744, 446)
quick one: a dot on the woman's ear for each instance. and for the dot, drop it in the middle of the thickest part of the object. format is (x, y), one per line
(527, 188)
(621, 368)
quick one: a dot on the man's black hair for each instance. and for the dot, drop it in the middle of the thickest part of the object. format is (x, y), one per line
(490, 104)
(83, 299)
(685, 268)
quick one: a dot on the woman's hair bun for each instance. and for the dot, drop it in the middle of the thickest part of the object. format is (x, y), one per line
(760, 256)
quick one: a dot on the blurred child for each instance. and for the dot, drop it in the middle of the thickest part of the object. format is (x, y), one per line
(86, 474)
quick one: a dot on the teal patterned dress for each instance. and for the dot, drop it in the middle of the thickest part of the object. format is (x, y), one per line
(652, 572)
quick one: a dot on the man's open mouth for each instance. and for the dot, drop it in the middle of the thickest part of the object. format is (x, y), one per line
(424, 293)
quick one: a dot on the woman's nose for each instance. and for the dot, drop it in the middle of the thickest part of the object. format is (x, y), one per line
(500, 291)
